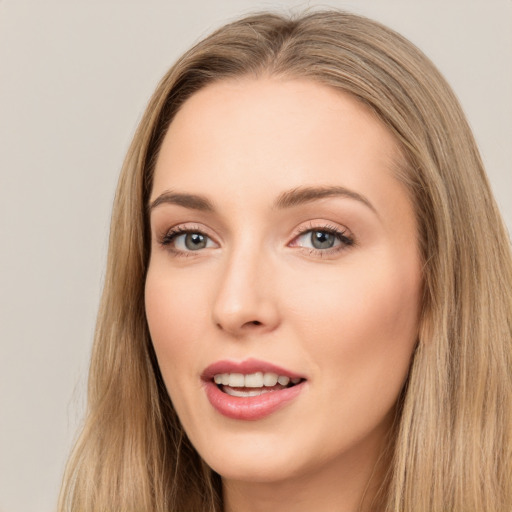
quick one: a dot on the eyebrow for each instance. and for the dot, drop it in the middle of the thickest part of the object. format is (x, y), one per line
(302, 195)
(288, 199)
(191, 201)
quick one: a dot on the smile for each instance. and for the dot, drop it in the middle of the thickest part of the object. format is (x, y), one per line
(246, 394)
(253, 384)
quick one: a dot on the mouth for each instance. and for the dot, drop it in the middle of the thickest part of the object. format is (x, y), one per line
(253, 384)
(250, 390)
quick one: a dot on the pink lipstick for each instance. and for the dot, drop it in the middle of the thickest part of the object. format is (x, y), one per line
(251, 389)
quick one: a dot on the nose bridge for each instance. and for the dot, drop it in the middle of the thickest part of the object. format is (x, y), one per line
(244, 299)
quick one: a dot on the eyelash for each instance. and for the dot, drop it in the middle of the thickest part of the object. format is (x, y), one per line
(346, 241)
(170, 236)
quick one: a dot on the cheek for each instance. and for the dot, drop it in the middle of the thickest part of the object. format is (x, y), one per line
(173, 311)
(176, 313)
(361, 325)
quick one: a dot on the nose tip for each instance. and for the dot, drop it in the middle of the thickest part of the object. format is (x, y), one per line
(245, 319)
(244, 303)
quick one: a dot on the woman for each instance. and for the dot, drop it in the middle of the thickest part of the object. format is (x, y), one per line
(308, 296)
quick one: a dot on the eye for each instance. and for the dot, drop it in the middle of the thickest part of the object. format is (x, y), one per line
(181, 240)
(320, 239)
(191, 242)
(323, 240)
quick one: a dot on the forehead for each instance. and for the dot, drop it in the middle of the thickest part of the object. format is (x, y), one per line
(263, 135)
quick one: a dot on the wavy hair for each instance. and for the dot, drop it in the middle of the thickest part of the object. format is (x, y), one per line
(452, 448)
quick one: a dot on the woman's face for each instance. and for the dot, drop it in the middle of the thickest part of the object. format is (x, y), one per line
(283, 247)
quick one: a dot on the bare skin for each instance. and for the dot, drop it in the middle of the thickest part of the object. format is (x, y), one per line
(279, 233)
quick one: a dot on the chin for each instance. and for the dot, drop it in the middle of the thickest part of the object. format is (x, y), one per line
(252, 458)
(257, 470)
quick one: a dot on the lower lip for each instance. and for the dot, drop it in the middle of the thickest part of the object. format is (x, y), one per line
(250, 408)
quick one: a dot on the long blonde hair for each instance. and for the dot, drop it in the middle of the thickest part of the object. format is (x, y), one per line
(453, 442)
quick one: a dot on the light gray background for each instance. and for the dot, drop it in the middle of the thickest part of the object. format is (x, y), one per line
(74, 80)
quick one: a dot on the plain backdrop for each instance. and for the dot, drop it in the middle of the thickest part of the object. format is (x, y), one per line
(74, 80)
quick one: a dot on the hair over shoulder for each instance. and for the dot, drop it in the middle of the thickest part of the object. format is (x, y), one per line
(452, 449)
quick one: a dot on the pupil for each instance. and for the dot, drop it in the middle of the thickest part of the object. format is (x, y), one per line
(322, 240)
(194, 241)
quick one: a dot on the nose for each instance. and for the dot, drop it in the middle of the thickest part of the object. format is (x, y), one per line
(245, 302)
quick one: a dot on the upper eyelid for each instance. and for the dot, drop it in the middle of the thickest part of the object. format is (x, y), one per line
(333, 229)
(185, 228)
(322, 225)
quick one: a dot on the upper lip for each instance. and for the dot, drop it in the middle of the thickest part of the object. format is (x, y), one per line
(246, 367)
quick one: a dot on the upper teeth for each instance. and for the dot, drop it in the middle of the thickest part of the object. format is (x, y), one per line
(253, 380)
